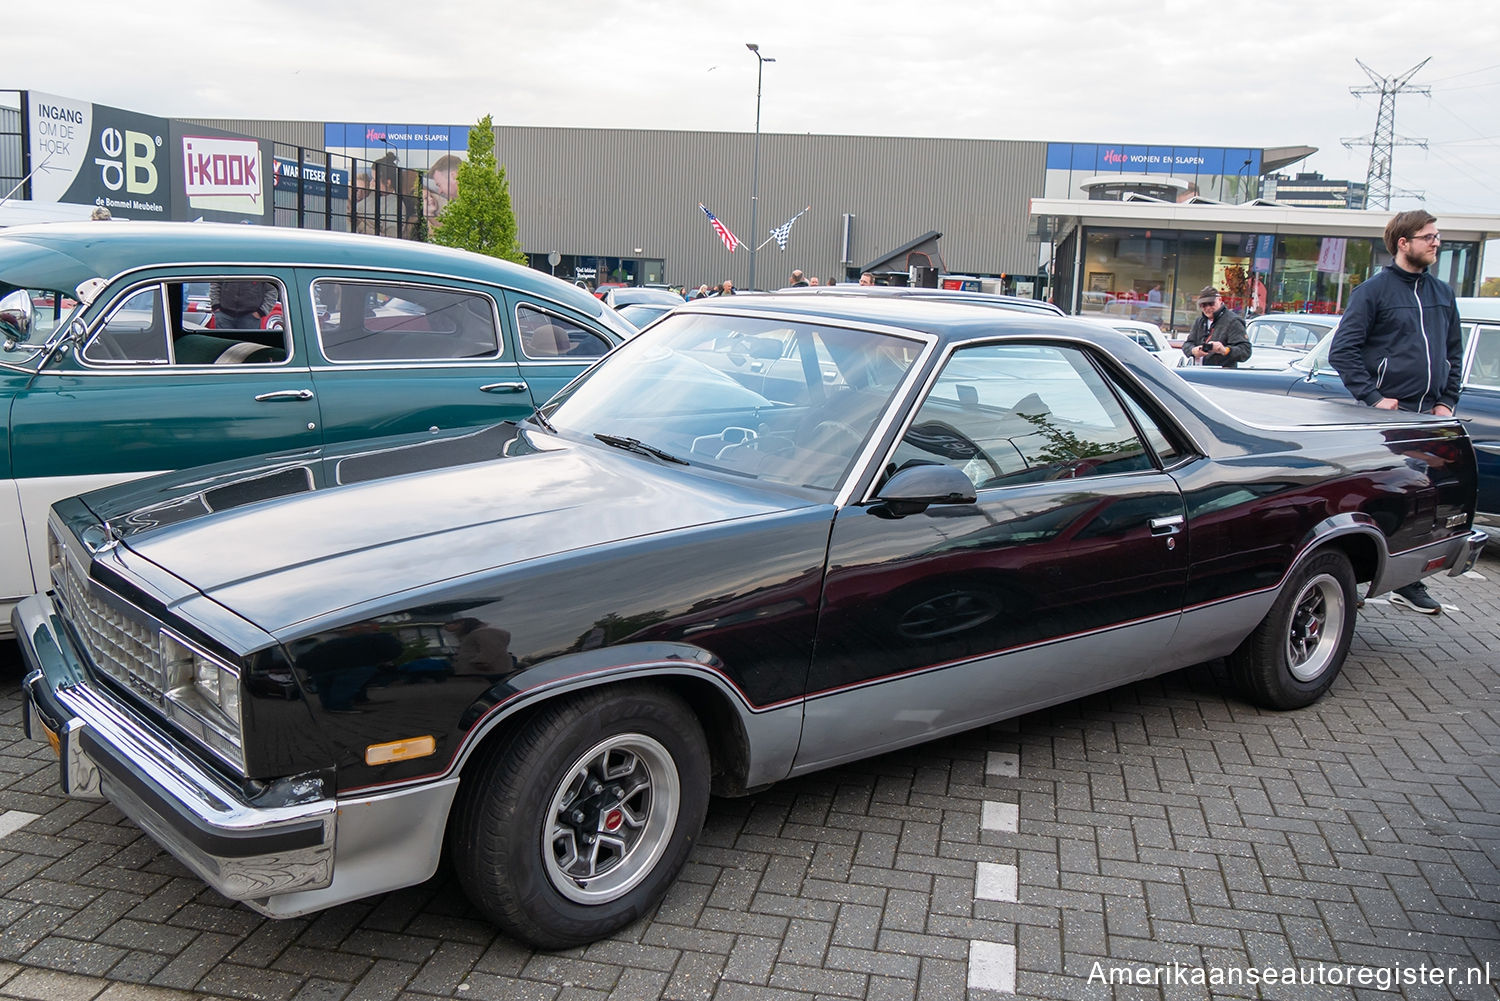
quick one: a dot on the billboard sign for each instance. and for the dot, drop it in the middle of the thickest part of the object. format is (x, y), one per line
(90, 154)
(219, 176)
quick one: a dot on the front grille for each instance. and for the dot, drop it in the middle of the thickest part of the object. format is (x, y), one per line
(120, 645)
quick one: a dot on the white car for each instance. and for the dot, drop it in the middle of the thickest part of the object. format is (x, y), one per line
(1147, 335)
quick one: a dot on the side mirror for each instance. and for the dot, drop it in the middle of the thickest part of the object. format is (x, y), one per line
(17, 317)
(913, 489)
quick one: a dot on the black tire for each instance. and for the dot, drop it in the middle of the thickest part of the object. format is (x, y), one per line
(1297, 651)
(627, 766)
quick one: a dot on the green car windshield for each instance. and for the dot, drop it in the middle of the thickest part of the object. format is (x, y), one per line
(786, 402)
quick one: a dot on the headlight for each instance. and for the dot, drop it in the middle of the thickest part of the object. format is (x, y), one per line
(202, 695)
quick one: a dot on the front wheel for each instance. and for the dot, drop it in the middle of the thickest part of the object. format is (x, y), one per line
(578, 823)
(1298, 649)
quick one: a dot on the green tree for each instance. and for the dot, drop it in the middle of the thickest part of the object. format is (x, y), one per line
(480, 218)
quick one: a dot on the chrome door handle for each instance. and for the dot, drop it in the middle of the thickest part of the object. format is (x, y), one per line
(504, 387)
(1170, 525)
(285, 394)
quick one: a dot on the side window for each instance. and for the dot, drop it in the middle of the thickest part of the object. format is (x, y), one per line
(1265, 333)
(1484, 372)
(382, 321)
(134, 332)
(233, 321)
(1011, 413)
(1300, 336)
(547, 335)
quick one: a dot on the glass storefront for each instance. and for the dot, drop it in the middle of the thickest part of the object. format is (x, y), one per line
(1155, 275)
(591, 271)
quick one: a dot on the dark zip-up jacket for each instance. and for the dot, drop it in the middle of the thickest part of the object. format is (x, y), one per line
(1399, 339)
(1228, 328)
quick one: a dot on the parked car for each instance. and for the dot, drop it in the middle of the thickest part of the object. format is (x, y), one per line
(1147, 335)
(641, 305)
(618, 296)
(994, 300)
(1293, 332)
(368, 336)
(1478, 407)
(709, 564)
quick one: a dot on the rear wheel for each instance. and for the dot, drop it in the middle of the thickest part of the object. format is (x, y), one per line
(1297, 651)
(578, 823)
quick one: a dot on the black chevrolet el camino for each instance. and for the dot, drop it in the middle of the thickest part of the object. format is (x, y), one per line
(770, 535)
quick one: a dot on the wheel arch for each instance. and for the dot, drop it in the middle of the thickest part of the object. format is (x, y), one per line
(1356, 536)
(691, 674)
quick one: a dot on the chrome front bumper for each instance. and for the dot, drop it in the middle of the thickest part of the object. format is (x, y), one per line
(282, 861)
(106, 751)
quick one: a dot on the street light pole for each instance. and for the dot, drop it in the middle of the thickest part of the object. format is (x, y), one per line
(760, 66)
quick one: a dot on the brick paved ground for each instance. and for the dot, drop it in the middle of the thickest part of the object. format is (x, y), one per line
(1160, 824)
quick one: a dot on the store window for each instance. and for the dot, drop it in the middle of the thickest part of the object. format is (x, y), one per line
(1128, 274)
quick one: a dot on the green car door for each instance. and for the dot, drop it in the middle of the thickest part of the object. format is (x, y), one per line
(397, 355)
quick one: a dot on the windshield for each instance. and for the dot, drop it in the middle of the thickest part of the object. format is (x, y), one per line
(789, 403)
(1316, 360)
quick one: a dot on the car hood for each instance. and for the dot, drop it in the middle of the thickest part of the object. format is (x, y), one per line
(305, 542)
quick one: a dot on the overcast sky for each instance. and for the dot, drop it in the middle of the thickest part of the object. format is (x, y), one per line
(1267, 73)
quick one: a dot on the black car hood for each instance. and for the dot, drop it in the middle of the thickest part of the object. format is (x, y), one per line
(305, 542)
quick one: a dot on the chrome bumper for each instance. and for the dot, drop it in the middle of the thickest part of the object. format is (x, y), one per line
(106, 751)
(1467, 553)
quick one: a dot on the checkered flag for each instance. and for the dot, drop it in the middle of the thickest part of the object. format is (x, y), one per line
(782, 232)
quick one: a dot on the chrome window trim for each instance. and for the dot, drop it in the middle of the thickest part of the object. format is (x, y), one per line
(495, 318)
(609, 345)
(1088, 348)
(95, 366)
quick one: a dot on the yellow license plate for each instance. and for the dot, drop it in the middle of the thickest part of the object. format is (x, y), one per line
(52, 738)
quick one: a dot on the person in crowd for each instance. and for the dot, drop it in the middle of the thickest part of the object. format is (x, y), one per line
(241, 305)
(798, 279)
(1393, 356)
(867, 279)
(101, 214)
(813, 280)
(700, 293)
(1218, 335)
(726, 287)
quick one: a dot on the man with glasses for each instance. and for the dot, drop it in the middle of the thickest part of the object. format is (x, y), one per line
(1398, 345)
(1218, 334)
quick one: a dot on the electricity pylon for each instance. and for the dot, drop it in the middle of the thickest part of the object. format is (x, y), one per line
(1384, 139)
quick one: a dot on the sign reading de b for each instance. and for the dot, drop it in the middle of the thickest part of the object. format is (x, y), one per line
(90, 154)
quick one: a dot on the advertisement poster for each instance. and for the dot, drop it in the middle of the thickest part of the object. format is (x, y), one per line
(90, 154)
(1331, 254)
(220, 176)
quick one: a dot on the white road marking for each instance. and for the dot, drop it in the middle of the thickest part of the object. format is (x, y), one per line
(997, 881)
(1003, 763)
(14, 820)
(992, 967)
(1001, 817)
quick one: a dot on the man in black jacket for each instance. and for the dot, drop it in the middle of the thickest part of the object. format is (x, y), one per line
(1398, 345)
(1218, 335)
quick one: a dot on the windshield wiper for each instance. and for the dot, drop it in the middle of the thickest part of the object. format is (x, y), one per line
(636, 445)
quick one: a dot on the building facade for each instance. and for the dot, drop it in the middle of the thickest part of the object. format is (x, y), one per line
(596, 205)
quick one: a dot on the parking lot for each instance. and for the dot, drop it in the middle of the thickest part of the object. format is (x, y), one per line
(1163, 840)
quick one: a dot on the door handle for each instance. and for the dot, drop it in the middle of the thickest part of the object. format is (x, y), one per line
(504, 387)
(1170, 525)
(284, 394)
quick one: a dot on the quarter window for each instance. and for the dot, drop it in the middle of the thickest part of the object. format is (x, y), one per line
(377, 321)
(546, 335)
(1012, 413)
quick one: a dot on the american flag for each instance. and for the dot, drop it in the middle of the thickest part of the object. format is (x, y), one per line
(782, 232)
(730, 240)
